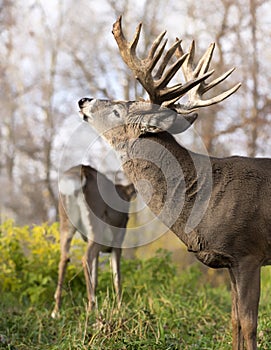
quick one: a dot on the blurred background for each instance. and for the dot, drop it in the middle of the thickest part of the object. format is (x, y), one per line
(52, 53)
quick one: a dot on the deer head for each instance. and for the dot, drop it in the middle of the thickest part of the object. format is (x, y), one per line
(117, 119)
(135, 118)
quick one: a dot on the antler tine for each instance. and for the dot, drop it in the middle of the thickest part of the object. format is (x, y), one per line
(127, 50)
(155, 59)
(204, 62)
(169, 74)
(166, 59)
(188, 64)
(134, 42)
(218, 80)
(220, 97)
(156, 44)
(193, 106)
(177, 91)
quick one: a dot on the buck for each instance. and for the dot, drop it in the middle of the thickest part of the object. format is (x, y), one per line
(219, 207)
(99, 210)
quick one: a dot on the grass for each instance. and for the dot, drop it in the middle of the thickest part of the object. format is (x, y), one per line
(162, 309)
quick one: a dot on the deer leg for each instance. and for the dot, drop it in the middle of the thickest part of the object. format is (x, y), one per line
(66, 236)
(247, 287)
(237, 336)
(115, 262)
(90, 265)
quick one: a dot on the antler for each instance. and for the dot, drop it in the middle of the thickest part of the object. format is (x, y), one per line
(195, 100)
(156, 86)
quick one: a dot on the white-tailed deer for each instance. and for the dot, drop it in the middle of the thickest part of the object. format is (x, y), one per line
(231, 227)
(99, 210)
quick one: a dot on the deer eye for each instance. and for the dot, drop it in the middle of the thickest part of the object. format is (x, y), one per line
(116, 113)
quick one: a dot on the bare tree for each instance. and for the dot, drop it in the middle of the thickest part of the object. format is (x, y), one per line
(44, 67)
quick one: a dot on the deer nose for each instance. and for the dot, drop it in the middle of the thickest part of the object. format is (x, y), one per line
(83, 100)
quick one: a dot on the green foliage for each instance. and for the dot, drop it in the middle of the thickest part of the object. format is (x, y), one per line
(29, 261)
(162, 309)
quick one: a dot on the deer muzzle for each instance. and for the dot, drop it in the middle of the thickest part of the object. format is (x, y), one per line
(86, 106)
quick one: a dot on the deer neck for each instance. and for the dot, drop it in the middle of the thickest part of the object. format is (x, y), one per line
(168, 176)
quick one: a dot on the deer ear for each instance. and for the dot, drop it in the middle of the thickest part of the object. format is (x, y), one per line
(167, 120)
(182, 123)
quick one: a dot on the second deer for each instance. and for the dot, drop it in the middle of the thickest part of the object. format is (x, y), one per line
(99, 210)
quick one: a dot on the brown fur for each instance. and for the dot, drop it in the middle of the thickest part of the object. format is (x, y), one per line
(235, 229)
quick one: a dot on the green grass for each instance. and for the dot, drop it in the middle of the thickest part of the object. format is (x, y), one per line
(162, 309)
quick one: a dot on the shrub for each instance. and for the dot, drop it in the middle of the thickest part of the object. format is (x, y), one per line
(29, 261)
